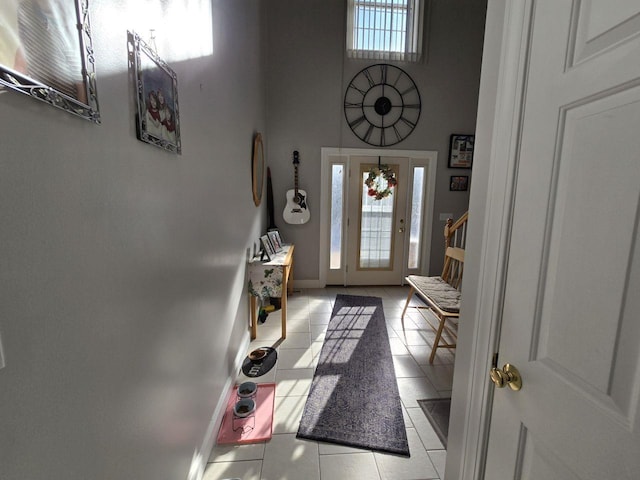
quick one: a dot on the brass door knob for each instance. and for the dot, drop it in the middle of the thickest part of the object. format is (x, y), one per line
(509, 375)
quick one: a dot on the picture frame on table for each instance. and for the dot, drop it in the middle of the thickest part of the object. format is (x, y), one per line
(32, 61)
(266, 248)
(459, 183)
(157, 115)
(274, 237)
(277, 232)
(461, 150)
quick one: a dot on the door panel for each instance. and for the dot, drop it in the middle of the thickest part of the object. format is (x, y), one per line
(598, 25)
(593, 199)
(376, 228)
(571, 308)
(538, 462)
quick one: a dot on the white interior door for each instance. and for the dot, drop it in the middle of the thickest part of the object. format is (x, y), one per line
(376, 228)
(570, 321)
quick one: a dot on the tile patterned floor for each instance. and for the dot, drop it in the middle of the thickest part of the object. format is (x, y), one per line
(285, 457)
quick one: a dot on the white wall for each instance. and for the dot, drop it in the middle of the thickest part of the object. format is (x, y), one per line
(123, 267)
(307, 76)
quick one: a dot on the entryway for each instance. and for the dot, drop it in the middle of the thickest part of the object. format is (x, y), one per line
(285, 455)
(369, 240)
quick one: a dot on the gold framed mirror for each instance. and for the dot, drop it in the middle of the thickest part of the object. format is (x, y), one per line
(257, 169)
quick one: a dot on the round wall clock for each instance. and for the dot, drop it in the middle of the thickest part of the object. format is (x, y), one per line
(382, 105)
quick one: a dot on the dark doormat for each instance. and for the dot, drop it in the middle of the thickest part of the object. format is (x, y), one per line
(437, 412)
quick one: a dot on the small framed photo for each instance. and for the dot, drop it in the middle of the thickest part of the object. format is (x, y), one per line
(275, 241)
(459, 183)
(157, 116)
(461, 150)
(267, 248)
(278, 237)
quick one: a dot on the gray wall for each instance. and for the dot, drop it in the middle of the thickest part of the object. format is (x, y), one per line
(122, 271)
(306, 78)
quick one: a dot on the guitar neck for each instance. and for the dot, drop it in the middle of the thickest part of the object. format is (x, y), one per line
(296, 162)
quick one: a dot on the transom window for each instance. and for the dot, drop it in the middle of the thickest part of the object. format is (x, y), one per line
(385, 29)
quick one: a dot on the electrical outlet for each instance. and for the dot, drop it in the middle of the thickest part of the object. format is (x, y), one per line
(445, 216)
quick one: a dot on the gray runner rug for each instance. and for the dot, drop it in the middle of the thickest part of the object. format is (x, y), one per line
(354, 397)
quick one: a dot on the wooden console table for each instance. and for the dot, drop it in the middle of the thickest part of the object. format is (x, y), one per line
(271, 279)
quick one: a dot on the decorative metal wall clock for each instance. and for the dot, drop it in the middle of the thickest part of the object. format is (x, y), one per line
(382, 105)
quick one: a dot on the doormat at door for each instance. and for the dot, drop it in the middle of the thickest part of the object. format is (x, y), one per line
(437, 412)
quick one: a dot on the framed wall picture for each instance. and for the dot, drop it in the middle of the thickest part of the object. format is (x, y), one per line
(157, 116)
(461, 150)
(459, 183)
(275, 241)
(278, 237)
(46, 52)
(267, 249)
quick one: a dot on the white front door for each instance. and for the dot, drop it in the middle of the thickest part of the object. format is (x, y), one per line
(376, 227)
(375, 242)
(571, 309)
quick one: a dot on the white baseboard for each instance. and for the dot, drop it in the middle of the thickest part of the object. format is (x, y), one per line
(200, 459)
(297, 284)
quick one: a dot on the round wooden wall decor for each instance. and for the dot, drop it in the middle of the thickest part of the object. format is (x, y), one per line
(257, 169)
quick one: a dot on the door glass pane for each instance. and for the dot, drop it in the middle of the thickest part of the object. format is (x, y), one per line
(416, 218)
(376, 228)
(337, 189)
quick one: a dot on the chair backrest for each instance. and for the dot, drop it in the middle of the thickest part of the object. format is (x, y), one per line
(455, 235)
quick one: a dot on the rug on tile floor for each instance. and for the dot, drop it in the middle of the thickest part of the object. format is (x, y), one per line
(437, 412)
(354, 397)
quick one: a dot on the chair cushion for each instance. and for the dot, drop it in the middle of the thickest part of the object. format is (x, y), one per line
(438, 291)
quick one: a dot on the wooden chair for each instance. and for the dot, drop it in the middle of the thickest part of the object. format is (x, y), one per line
(442, 294)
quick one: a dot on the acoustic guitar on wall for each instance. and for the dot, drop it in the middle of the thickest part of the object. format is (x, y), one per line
(296, 211)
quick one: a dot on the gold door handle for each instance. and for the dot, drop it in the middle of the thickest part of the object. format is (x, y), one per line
(401, 230)
(509, 375)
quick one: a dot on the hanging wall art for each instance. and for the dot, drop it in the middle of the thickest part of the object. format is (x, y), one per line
(157, 116)
(46, 52)
(461, 150)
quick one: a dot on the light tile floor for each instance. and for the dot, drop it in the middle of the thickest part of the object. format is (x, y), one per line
(285, 457)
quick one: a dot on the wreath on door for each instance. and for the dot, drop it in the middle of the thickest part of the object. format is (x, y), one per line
(381, 182)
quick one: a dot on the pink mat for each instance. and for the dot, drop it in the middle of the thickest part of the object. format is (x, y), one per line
(255, 428)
